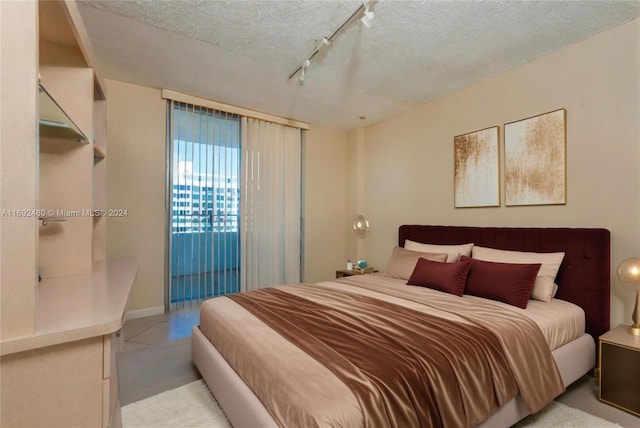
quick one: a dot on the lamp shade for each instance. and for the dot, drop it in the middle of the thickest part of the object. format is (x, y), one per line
(628, 271)
(360, 226)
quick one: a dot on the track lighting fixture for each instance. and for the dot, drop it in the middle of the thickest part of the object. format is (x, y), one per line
(322, 43)
(367, 18)
(305, 64)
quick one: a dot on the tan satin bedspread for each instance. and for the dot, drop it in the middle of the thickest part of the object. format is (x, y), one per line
(560, 321)
(299, 391)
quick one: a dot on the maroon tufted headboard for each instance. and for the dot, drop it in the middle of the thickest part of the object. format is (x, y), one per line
(583, 278)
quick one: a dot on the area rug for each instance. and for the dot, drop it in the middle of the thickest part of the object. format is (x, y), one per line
(192, 406)
(557, 415)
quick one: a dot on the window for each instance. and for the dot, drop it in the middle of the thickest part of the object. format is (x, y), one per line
(205, 152)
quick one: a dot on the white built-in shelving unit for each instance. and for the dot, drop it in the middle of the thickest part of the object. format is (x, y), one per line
(63, 301)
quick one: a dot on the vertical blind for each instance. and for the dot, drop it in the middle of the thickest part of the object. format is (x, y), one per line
(204, 194)
(271, 204)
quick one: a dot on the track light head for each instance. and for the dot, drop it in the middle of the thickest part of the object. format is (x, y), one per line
(368, 17)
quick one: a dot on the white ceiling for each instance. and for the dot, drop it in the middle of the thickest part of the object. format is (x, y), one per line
(242, 52)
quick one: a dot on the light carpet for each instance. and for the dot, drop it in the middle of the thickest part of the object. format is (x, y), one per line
(192, 405)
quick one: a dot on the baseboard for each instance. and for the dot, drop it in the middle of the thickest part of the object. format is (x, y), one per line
(142, 313)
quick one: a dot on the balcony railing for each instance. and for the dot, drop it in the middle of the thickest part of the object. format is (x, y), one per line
(204, 265)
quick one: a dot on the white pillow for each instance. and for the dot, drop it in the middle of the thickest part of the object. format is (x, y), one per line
(402, 262)
(543, 289)
(454, 251)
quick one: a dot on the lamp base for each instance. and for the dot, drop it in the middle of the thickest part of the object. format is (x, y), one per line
(634, 329)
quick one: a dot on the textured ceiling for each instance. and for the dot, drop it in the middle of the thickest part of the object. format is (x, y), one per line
(242, 52)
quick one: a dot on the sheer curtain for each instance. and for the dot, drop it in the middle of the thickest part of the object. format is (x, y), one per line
(271, 204)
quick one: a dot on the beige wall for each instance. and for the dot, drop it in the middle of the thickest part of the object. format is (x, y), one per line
(136, 118)
(354, 191)
(409, 158)
(325, 199)
(136, 181)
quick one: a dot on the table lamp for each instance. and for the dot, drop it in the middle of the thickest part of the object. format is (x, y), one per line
(629, 274)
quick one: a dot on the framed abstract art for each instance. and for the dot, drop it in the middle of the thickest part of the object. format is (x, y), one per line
(535, 160)
(477, 169)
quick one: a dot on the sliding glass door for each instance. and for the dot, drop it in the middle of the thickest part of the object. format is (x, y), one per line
(204, 204)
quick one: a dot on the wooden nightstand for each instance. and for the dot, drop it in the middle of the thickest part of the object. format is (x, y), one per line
(344, 272)
(619, 362)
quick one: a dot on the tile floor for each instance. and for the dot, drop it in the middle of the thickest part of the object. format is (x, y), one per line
(155, 355)
(144, 332)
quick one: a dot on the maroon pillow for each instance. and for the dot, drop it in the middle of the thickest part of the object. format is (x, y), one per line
(447, 277)
(506, 282)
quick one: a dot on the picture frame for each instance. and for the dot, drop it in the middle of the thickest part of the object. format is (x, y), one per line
(477, 168)
(535, 160)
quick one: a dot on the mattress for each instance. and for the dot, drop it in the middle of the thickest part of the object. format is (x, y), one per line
(243, 339)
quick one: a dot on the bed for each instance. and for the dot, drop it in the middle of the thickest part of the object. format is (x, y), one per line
(289, 385)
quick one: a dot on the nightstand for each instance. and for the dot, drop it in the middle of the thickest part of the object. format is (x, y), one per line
(619, 362)
(344, 272)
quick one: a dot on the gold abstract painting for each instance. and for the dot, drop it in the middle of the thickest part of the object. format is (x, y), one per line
(535, 160)
(477, 169)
